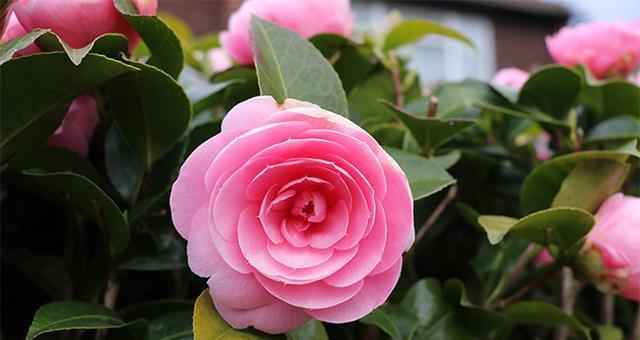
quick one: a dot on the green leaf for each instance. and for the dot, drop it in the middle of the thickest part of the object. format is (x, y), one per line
(540, 313)
(208, 325)
(590, 183)
(200, 91)
(552, 90)
(111, 45)
(152, 111)
(245, 86)
(135, 330)
(124, 168)
(288, 66)
(176, 325)
(47, 271)
(425, 176)
(616, 128)
(30, 110)
(543, 183)
(413, 30)
(165, 47)
(9, 48)
(312, 329)
(446, 160)
(65, 315)
(563, 227)
(396, 321)
(153, 309)
(431, 132)
(613, 98)
(90, 199)
(145, 257)
(54, 160)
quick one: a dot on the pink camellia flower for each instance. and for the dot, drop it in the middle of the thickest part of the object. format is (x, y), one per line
(543, 259)
(78, 126)
(15, 30)
(79, 22)
(293, 212)
(607, 49)
(611, 256)
(219, 60)
(307, 17)
(510, 77)
(541, 144)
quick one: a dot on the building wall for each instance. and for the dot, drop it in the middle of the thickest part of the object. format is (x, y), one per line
(203, 16)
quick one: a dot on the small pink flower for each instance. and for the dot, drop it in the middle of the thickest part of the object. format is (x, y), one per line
(219, 60)
(79, 22)
(607, 49)
(78, 126)
(293, 212)
(15, 30)
(611, 257)
(510, 77)
(307, 17)
(541, 144)
(543, 259)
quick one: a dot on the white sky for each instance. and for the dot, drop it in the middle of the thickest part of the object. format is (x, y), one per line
(601, 10)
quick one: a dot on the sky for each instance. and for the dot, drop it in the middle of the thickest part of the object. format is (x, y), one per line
(600, 10)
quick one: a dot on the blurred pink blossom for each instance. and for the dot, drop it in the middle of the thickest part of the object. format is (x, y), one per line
(510, 77)
(78, 126)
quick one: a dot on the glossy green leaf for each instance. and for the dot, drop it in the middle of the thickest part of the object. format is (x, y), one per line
(123, 166)
(152, 111)
(134, 330)
(431, 132)
(289, 66)
(54, 160)
(89, 198)
(47, 271)
(425, 176)
(208, 325)
(613, 98)
(562, 227)
(543, 183)
(30, 110)
(111, 45)
(446, 160)
(540, 313)
(9, 48)
(165, 47)
(145, 257)
(312, 329)
(396, 321)
(175, 325)
(245, 86)
(65, 315)
(413, 30)
(551, 89)
(616, 128)
(200, 91)
(590, 183)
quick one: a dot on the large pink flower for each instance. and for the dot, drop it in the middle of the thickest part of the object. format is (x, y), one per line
(510, 77)
(307, 17)
(293, 212)
(607, 49)
(79, 22)
(78, 126)
(611, 257)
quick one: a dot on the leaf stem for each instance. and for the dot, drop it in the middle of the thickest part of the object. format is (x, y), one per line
(433, 107)
(569, 292)
(396, 81)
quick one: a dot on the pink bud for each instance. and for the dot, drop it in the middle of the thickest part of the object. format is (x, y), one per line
(78, 126)
(78, 23)
(510, 77)
(15, 30)
(543, 259)
(611, 256)
(607, 49)
(541, 144)
(307, 17)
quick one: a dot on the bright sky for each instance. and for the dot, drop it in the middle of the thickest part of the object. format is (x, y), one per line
(601, 10)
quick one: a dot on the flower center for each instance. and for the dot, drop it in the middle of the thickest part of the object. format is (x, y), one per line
(310, 205)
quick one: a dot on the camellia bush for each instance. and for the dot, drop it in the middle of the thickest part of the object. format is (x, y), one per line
(289, 179)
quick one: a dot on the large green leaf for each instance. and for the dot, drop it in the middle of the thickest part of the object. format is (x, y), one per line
(617, 128)
(613, 98)
(431, 132)
(543, 183)
(425, 176)
(429, 311)
(175, 325)
(590, 183)
(9, 48)
(562, 227)
(123, 166)
(540, 313)
(201, 92)
(111, 45)
(65, 315)
(312, 329)
(413, 30)
(208, 325)
(552, 90)
(289, 66)
(31, 111)
(165, 47)
(152, 111)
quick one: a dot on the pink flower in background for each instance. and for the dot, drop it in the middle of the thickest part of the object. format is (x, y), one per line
(219, 60)
(541, 144)
(510, 77)
(78, 126)
(79, 22)
(307, 17)
(293, 212)
(543, 259)
(607, 49)
(15, 30)
(611, 257)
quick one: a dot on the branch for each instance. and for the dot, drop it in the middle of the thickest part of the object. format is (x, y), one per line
(525, 290)
(570, 290)
(608, 311)
(451, 195)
